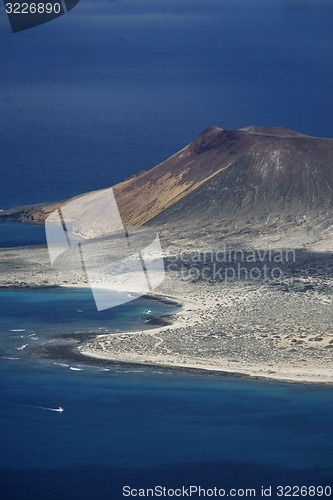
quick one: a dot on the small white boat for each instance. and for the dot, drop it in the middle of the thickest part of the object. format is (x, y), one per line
(60, 409)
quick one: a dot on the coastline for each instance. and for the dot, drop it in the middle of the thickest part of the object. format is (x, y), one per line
(252, 329)
(100, 348)
(71, 349)
(253, 373)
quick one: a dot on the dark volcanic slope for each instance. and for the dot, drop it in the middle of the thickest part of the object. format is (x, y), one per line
(250, 173)
(268, 172)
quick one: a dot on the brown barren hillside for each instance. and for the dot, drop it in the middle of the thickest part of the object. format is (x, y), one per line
(248, 175)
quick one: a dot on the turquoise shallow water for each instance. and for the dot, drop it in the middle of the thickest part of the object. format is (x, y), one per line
(32, 317)
(125, 425)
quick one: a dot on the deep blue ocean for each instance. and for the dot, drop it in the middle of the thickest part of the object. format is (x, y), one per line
(115, 87)
(141, 427)
(109, 89)
(14, 234)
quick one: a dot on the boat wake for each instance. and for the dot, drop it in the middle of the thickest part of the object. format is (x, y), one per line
(31, 407)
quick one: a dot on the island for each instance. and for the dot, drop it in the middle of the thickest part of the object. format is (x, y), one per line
(244, 219)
